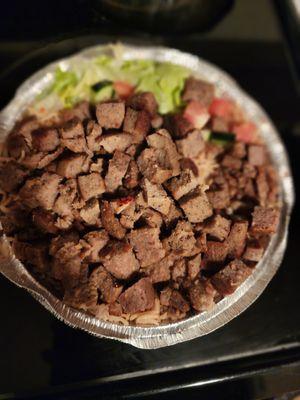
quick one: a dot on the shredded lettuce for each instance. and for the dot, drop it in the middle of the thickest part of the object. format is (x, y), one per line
(165, 80)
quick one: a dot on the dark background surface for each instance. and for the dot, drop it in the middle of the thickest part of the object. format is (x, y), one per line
(257, 355)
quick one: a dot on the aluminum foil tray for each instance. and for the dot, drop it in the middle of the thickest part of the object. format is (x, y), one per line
(229, 307)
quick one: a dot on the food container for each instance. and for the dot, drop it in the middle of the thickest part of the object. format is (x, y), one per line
(228, 308)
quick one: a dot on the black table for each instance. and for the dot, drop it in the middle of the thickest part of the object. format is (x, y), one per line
(257, 355)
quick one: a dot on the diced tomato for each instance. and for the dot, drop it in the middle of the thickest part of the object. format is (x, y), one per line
(245, 132)
(222, 108)
(123, 89)
(196, 114)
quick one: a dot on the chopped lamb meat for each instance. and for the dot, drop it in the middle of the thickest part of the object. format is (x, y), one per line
(80, 111)
(72, 165)
(131, 179)
(139, 297)
(118, 209)
(174, 214)
(137, 123)
(72, 136)
(238, 150)
(144, 101)
(202, 295)
(201, 242)
(219, 124)
(152, 218)
(262, 186)
(91, 185)
(160, 271)
(97, 166)
(45, 139)
(179, 126)
(110, 222)
(253, 253)
(147, 246)
(154, 165)
(219, 199)
(41, 191)
(231, 277)
(265, 220)
(94, 242)
(199, 90)
(182, 184)
(231, 162)
(179, 270)
(191, 145)
(156, 197)
(12, 175)
(110, 115)
(93, 136)
(35, 254)
(216, 251)
(256, 155)
(182, 240)
(65, 201)
(178, 302)
(117, 168)
(90, 213)
(163, 141)
(44, 220)
(193, 267)
(106, 285)
(115, 141)
(237, 239)
(196, 206)
(218, 227)
(118, 258)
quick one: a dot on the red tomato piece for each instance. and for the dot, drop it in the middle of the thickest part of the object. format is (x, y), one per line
(123, 89)
(223, 108)
(196, 114)
(245, 132)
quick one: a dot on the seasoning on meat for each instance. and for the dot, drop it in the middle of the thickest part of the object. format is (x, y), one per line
(253, 253)
(93, 242)
(110, 115)
(90, 213)
(216, 251)
(131, 178)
